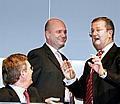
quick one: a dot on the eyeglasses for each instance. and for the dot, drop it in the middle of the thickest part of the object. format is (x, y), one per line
(98, 31)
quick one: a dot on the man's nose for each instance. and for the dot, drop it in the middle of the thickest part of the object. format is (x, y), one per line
(94, 33)
(62, 34)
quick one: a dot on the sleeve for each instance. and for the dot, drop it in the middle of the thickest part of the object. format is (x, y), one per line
(113, 74)
(69, 82)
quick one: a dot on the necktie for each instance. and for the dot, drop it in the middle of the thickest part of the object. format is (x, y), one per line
(59, 57)
(68, 94)
(89, 90)
(27, 97)
(100, 52)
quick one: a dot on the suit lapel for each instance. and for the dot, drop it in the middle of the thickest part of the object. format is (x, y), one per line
(109, 56)
(51, 56)
(14, 97)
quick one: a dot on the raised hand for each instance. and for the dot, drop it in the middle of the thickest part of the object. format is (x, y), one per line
(67, 70)
(97, 65)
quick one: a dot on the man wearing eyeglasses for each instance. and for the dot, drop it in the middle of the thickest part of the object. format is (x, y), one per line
(105, 68)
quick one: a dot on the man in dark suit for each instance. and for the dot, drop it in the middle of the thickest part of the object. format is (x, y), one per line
(17, 77)
(106, 68)
(47, 73)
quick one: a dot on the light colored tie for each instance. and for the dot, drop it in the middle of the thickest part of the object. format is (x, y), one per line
(68, 94)
(59, 57)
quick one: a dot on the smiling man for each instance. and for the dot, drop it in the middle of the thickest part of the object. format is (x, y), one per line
(47, 60)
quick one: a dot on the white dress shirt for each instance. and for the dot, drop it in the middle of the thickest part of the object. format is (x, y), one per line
(19, 91)
(56, 53)
(106, 49)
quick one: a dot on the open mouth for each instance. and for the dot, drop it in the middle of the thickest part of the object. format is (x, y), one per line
(96, 38)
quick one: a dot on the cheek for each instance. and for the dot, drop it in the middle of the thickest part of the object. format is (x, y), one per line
(103, 38)
(93, 40)
(31, 73)
(52, 39)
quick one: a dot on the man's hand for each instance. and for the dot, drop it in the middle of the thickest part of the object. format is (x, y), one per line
(53, 100)
(97, 65)
(67, 70)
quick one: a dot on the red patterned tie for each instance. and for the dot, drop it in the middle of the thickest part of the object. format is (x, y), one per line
(100, 52)
(27, 97)
(89, 90)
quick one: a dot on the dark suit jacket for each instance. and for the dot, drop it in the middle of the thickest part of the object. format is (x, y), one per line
(106, 91)
(7, 94)
(47, 74)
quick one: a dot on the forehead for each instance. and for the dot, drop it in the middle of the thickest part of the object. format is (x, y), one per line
(55, 24)
(98, 24)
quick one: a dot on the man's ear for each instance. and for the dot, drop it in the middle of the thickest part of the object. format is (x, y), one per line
(110, 33)
(23, 73)
(47, 34)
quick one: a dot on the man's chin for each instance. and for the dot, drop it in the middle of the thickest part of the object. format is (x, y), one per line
(97, 42)
(61, 46)
(30, 82)
(97, 46)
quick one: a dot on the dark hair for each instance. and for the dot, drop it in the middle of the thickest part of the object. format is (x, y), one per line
(109, 23)
(12, 67)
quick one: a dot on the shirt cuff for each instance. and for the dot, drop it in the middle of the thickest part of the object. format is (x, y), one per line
(69, 82)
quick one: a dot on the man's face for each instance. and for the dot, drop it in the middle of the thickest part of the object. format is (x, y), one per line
(28, 74)
(56, 36)
(100, 35)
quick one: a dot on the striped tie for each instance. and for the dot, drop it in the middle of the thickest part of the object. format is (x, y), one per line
(89, 90)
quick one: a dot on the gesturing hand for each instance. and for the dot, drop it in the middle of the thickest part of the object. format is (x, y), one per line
(67, 70)
(97, 65)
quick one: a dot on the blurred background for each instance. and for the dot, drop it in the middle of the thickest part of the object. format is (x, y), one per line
(22, 24)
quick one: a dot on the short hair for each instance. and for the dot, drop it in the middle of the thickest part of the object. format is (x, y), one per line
(109, 23)
(12, 67)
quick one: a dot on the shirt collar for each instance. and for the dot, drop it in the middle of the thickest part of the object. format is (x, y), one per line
(52, 48)
(19, 91)
(17, 88)
(106, 49)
